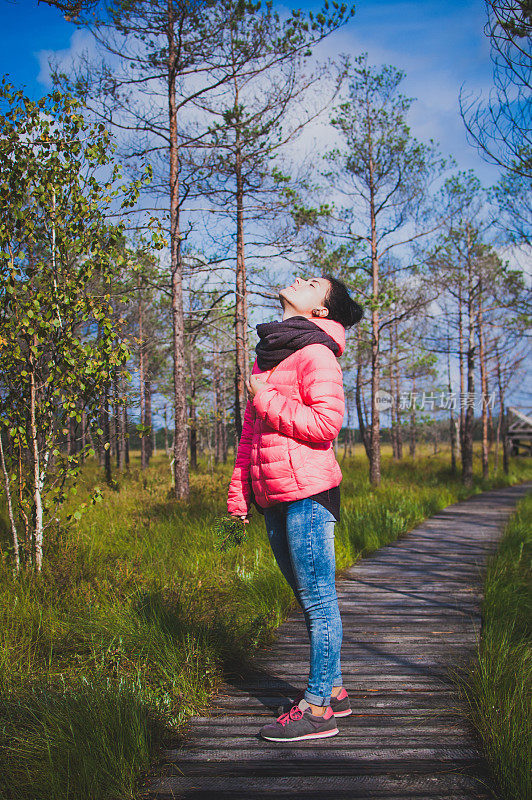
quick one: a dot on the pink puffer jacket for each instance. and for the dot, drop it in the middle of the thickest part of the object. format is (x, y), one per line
(287, 437)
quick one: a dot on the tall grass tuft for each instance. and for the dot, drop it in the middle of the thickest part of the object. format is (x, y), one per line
(88, 740)
(498, 685)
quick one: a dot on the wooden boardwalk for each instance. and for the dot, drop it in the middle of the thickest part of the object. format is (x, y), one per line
(411, 613)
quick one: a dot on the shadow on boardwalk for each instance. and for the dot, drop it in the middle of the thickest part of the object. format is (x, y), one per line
(411, 614)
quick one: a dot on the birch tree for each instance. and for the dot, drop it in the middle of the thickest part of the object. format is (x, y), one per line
(59, 341)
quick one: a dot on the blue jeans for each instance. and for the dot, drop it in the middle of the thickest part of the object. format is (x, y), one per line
(301, 535)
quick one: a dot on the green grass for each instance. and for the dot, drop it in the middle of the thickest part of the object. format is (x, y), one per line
(498, 685)
(137, 617)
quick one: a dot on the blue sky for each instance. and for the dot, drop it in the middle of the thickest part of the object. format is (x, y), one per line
(439, 45)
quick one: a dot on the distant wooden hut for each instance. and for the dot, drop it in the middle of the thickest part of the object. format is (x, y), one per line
(519, 433)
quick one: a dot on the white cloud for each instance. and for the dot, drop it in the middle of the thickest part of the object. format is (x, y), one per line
(80, 41)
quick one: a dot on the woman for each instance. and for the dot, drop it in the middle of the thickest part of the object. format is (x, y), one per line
(286, 460)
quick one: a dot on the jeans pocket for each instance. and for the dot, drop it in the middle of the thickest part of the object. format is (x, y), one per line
(329, 529)
(325, 516)
(326, 519)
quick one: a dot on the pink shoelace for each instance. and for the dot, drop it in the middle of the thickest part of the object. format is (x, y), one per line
(294, 714)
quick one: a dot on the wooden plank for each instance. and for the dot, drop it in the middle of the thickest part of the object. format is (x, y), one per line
(291, 760)
(315, 787)
(411, 615)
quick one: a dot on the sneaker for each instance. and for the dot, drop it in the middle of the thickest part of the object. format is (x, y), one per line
(340, 705)
(300, 723)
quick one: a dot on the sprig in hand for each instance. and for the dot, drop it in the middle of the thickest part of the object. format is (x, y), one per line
(229, 531)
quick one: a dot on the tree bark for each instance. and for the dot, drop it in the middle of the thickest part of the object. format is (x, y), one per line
(38, 528)
(461, 351)
(502, 427)
(484, 387)
(142, 387)
(107, 437)
(467, 453)
(192, 414)
(399, 431)
(116, 424)
(122, 428)
(223, 401)
(27, 529)
(358, 400)
(217, 405)
(241, 310)
(452, 421)
(412, 437)
(148, 436)
(394, 410)
(126, 433)
(505, 448)
(166, 442)
(375, 450)
(14, 534)
(181, 473)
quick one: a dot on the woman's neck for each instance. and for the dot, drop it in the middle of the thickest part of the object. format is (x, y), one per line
(288, 313)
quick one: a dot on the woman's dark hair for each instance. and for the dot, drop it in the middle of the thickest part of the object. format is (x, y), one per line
(340, 304)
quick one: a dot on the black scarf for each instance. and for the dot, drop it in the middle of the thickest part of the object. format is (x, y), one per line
(278, 340)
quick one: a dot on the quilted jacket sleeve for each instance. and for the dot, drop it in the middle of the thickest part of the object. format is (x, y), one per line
(239, 494)
(318, 417)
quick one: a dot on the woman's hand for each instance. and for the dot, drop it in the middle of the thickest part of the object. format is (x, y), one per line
(243, 517)
(253, 384)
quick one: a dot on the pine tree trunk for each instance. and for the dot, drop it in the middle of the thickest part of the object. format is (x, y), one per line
(166, 442)
(142, 385)
(375, 446)
(364, 438)
(181, 476)
(148, 416)
(223, 401)
(452, 421)
(412, 437)
(394, 410)
(241, 311)
(399, 429)
(505, 448)
(216, 404)
(193, 416)
(467, 454)
(126, 433)
(501, 427)
(412, 431)
(484, 388)
(461, 352)
(122, 428)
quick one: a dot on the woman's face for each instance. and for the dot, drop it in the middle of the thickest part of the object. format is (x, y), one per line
(302, 297)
